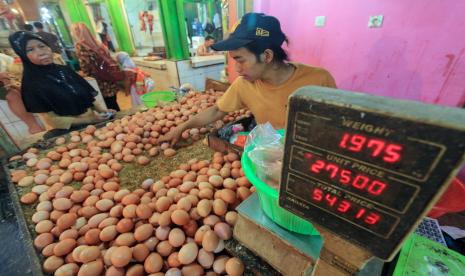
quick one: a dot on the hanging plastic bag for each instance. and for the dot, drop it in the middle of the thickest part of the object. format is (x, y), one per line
(266, 154)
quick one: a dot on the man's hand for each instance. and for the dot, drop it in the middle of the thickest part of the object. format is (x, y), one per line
(172, 136)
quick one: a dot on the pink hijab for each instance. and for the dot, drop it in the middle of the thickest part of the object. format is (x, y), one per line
(82, 35)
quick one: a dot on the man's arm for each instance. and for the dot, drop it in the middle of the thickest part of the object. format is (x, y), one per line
(202, 119)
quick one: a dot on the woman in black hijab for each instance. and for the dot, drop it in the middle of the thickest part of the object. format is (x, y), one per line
(57, 93)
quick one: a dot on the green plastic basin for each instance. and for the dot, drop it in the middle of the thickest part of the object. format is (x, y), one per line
(152, 99)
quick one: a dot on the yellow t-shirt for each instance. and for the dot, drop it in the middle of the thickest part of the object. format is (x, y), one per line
(268, 103)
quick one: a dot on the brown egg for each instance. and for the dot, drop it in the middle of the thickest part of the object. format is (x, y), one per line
(115, 271)
(52, 263)
(142, 160)
(44, 226)
(211, 220)
(125, 239)
(192, 270)
(169, 152)
(64, 247)
(188, 253)
(130, 199)
(180, 217)
(26, 181)
(173, 260)
(108, 233)
(205, 258)
(204, 207)
(234, 267)
(135, 270)
(104, 205)
(228, 196)
(121, 256)
(164, 248)
(95, 220)
(69, 234)
(48, 250)
(140, 252)
(29, 198)
(92, 237)
(219, 264)
(143, 211)
(94, 268)
(219, 207)
(62, 204)
(176, 237)
(153, 263)
(243, 193)
(124, 225)
(210, 241)
(87, 254)
(143, 232)
(66, 221)
(67, 270)
(43, 240)
(223, 230)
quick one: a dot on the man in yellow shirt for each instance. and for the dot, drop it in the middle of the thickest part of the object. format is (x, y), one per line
(265, 78)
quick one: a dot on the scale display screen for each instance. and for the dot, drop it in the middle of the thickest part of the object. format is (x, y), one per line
(357, 168)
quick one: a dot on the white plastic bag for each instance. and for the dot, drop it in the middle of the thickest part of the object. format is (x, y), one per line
(266, 154)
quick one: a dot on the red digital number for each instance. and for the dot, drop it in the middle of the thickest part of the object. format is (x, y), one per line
(390, 153)
(343, 206)
(333, 169)
(317, 166)
(330, 199)
(345, 176)
(360, 182)
(317, 194)
(376, 187)
(372, 218)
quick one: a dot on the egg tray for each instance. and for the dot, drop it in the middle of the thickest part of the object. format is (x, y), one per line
(21, 255)
(21, 258)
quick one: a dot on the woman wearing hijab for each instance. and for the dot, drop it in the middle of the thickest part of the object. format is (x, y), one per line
(57, 93)
(87, 51)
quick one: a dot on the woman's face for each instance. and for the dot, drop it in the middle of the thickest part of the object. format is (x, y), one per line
(38, 52)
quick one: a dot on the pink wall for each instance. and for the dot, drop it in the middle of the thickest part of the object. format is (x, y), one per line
(419, 53)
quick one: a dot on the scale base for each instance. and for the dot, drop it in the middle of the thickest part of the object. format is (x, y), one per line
(288, 252)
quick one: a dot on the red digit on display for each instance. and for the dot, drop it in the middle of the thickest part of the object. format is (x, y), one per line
(343, 143)
(392, 153)
(372, 218)
(360, 213)
(331, 199)
(332, 169)
(343, 206)
(377, 145)
(360, 181)
(317, 166)
(357, 141)
(376, 187)
(345, 176)
(317, 194)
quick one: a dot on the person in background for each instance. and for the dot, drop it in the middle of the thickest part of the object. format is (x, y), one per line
(136, 82)
(102, 30)
(197, 27)
(208, 27)
(218, 34)
(87, 50)
(50, 38)
(10, 90)
(204, 49)
(28, 27)
(265, 79)
(58, 94)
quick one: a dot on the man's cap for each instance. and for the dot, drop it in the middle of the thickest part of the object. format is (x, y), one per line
(254, 27)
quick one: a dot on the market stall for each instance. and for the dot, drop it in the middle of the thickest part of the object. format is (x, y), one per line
(170, 73)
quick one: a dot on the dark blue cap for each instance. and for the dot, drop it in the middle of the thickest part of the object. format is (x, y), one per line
(254, 27)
